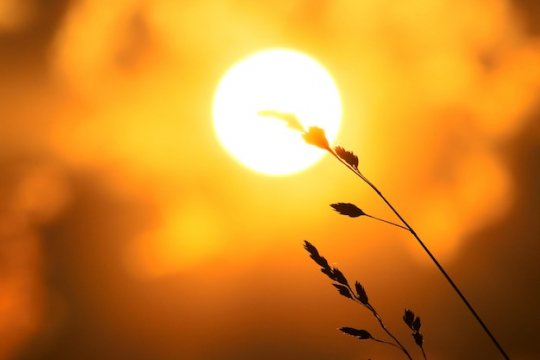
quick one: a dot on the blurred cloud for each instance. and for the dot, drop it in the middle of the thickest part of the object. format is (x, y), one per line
(33, 194)
(14, 14)
(458, 83)
(119, 94)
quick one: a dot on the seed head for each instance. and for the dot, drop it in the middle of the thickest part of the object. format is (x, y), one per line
(315, 136)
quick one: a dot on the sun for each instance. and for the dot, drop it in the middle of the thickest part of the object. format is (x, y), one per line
(284, 81)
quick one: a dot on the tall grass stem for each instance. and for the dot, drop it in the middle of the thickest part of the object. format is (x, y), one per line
(429, 253)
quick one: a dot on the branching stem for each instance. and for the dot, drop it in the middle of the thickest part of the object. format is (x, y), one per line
(386, 221)
(385, 342)
(383, 326)
(397, 344)
(428, 252)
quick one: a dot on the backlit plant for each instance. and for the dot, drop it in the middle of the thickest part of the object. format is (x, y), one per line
(316, 136)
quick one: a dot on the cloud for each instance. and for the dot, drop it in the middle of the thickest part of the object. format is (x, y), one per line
(433, 93)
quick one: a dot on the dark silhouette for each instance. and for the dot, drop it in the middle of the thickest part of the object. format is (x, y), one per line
(357, 295)
(315, 136)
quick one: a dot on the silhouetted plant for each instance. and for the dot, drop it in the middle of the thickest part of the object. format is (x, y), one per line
(316, 136)
(357, 295)
(414, 323)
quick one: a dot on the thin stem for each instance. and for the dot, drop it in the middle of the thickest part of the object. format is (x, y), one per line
(431, 256)
(442, 270)
(386, 221)
(379, 319)
(423, 352)
(385, 342)
(396, 342)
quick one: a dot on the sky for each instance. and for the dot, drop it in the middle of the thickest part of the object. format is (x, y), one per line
(127, 230)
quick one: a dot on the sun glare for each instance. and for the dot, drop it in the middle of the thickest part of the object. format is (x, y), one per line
(284, 81)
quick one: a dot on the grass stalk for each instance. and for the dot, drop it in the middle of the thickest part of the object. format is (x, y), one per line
(315, 136)
(427, 251)
(374, 312)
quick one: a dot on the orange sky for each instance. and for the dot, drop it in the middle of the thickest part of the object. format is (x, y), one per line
(127, 231)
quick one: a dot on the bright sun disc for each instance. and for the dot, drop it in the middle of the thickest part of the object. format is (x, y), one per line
(279, 80)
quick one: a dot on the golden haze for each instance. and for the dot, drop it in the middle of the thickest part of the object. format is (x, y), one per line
(124, 222)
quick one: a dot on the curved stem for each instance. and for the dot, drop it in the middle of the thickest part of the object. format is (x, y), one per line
(379, 319)
(385, 342)
(396, 342)
(431, 256)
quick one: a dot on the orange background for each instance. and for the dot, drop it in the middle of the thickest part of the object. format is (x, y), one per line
(127, 232)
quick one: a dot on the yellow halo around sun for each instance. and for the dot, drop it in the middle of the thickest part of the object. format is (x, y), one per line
(283, 81)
